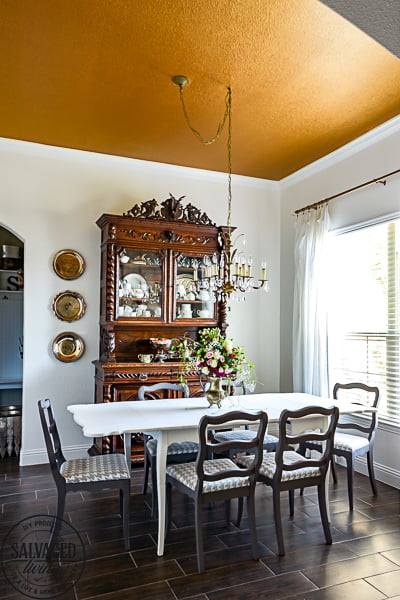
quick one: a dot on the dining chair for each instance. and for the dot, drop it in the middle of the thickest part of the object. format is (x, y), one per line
(207, 481)
(177, 452)
(240, 434)
(356, 436)
(89, 473)
(287, 470)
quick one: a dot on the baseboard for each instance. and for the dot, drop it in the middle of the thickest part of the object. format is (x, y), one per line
(382, 472)
(39, 456)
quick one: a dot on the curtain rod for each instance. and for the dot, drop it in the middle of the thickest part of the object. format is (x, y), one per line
(357, 187)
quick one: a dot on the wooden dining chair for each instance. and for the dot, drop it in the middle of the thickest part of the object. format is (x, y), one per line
(287, 470)
(89, 473)
(208, 481)
(242, 433)
(355, 436)
(176, 452)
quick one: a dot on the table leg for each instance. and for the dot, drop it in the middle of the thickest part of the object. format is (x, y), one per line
(162, 445)
(128, 450)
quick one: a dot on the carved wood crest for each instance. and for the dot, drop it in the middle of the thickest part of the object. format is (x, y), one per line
(169, 210)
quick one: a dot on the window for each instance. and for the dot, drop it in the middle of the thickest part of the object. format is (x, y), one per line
(363, 313)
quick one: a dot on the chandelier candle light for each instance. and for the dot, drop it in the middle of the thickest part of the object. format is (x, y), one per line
(228, 274)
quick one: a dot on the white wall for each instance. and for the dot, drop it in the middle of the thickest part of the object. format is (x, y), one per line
(370, 157)
(51, 198)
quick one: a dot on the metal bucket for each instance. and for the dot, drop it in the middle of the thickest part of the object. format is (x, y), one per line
(10, 258)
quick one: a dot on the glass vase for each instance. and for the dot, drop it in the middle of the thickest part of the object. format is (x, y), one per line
(215, 392)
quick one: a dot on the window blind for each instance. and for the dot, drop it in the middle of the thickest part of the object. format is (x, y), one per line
(363, 313)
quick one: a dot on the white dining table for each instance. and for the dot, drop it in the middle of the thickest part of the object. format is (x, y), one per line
(177, 420)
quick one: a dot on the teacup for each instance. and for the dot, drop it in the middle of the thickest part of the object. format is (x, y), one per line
(203, 313)
(141, 310)
(145, 358)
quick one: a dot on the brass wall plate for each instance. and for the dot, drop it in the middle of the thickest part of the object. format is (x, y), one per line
(68, 346)
(68, 264)
(69, 306)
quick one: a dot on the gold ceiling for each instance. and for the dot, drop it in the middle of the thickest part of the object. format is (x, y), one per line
(96, 75)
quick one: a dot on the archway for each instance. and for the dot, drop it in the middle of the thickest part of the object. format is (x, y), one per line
(11, 342)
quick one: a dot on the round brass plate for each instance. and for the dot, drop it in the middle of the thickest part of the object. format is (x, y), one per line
(69, 306)
(68, 264)
(68, 346)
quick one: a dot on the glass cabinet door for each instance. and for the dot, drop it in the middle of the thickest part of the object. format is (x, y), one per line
(193, 299)
(140, 286)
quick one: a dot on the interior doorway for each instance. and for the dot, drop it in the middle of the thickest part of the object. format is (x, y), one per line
(11, 342)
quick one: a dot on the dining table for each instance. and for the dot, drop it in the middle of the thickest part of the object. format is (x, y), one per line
(177, 420)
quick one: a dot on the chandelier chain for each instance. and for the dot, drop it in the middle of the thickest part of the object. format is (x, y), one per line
(228, 273)
(220, 125)
(229, 146)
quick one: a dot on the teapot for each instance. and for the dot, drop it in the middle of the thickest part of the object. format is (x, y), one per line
(203, 295)
(186, 312)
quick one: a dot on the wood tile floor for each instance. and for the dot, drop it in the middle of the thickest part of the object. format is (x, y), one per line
(363, 562)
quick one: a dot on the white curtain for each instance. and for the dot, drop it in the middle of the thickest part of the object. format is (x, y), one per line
(310, 348)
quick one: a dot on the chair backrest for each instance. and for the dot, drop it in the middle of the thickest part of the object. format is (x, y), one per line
(208, 448)
(51, 437)
(364, 395)
(162, 390)
(236, 387)
(291, 433)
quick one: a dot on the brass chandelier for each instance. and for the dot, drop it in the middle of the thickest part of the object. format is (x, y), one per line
(228, 273)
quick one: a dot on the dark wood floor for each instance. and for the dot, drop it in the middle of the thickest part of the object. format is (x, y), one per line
(363, 562)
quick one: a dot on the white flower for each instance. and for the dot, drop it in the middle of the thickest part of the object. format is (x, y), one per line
(229, 345)
(204, 370)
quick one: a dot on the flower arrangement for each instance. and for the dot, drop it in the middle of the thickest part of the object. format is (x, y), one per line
(215, 355)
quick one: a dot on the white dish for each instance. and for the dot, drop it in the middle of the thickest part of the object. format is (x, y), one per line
(186, 281)
(135, 280)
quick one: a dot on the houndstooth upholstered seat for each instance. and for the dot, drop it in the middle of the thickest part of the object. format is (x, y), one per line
(269, 442)
(207, 481)
(105, 467)
(89, 473)
(288, 470)
(174, 449)
(268, 466)
(186, 474)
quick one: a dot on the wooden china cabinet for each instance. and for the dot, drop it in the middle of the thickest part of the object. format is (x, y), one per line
(152, 290)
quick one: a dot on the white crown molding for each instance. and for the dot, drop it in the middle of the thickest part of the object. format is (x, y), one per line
(345, 152)
(57, 152)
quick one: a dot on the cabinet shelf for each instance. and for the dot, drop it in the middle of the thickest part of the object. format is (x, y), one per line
(141, 300)
(183, 301)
